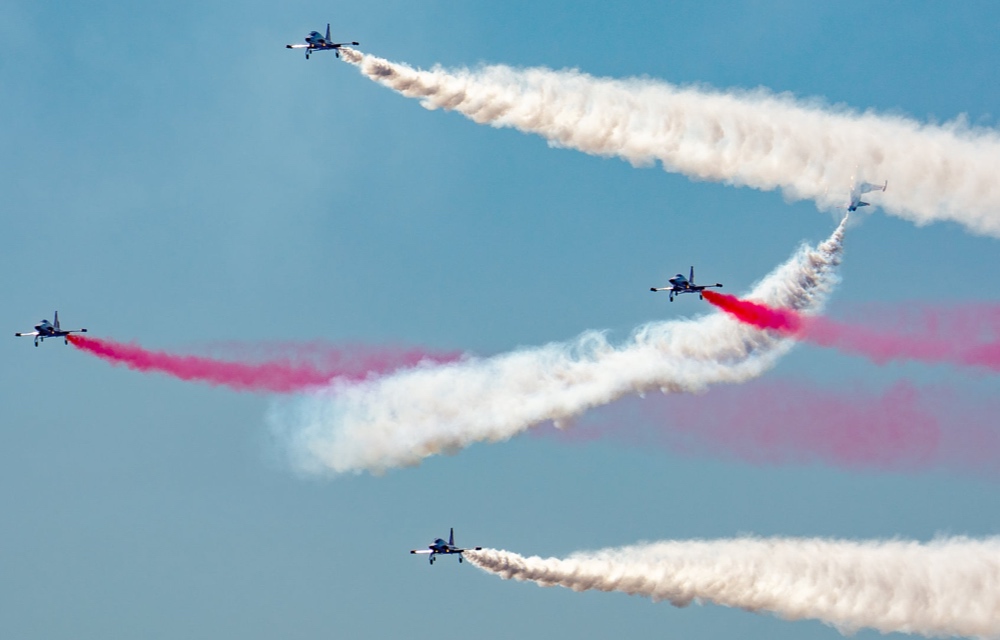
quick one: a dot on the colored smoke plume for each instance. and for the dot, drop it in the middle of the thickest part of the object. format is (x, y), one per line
(401, 419)
(947, 587)
(286, 375)
(903, 428)
(961, 336)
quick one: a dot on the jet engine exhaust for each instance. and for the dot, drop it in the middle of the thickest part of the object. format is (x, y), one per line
(399, 420)
(755, 138)
(946, 587)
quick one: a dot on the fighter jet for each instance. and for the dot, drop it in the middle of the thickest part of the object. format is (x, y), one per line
(316, 42)
(680, 284)
(45, 329)
(860, 188)
(445, 548)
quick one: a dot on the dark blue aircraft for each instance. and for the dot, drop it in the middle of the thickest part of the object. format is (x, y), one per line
(679, 284)
(445, 547)
(46, 329)
(316, 42)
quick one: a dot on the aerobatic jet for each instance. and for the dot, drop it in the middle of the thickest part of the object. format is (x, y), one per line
(860, 188)
(315, 41)
(46, 329)
(445, 547)
(679, 284)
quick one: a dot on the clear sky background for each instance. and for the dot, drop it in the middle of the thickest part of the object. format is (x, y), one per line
(172, 174)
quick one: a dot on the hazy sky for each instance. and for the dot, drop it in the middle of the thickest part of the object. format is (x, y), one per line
(173, 175)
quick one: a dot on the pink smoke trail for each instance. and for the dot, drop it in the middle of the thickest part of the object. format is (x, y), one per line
(275, 376)
(966, 336)
(346, 358)
(904, 428)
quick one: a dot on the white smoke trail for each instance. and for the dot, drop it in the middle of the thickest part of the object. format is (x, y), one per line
(746, 138)
(949, 587)
(402, 418)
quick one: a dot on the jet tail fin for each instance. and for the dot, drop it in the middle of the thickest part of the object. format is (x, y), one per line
(451, 537)
(691, 277)
(327, 31)
(55, 322)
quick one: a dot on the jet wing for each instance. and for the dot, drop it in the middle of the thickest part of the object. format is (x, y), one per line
(296, 46)
(27, 335)
(867, 187)
(421, 551)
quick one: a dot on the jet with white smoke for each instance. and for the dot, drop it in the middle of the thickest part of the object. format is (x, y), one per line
(747, 138)
(948, 587)
(402, 418)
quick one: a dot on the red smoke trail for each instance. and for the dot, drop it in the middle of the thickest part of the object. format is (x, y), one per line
(965, 336)
(275, 376)
(756, 314)
(903, 428)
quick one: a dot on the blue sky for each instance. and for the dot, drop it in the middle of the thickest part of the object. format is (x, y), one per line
(173, 175)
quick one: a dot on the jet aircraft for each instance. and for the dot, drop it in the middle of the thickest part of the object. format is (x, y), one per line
(46, 329)
(680, 284)
(860, 188)
(315, 41)
(445, 547)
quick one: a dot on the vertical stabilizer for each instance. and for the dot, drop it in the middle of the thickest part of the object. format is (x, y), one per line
(55, 322)
(451, 538)
(327, 31)
(691, 277)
